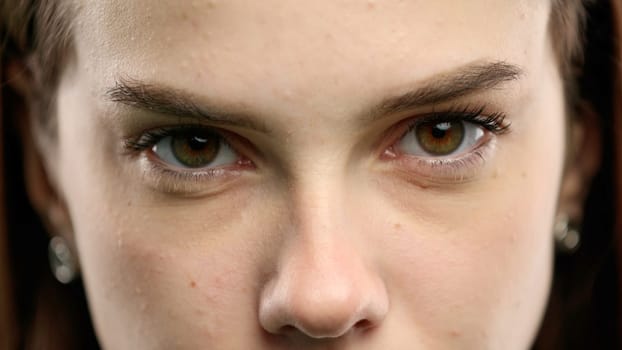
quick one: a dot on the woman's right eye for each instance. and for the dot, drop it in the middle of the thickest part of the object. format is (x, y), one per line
(189, 159)
(194, 149)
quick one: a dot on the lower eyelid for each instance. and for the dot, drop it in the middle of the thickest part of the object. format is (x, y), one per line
(448, 170)
(157, 163)
(186, 182)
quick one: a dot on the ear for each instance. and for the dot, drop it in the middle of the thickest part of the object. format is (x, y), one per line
(583, 159)
(39, 175)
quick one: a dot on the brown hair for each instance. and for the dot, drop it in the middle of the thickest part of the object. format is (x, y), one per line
(37, 33)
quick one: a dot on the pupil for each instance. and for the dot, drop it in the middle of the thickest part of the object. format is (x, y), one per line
(440, 130)
(438, 133)
(196, 143)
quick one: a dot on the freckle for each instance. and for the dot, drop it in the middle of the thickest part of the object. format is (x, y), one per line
(397, 226)
(454, 334)
(193, 284)
(129, 203)
(523, 175)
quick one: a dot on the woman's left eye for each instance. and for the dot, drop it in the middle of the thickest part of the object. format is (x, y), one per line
(438, 139)
(194, 149)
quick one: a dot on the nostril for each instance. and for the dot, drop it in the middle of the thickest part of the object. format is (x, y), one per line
(323, 331)
(332, 297)
(287, 329)
(363, 325)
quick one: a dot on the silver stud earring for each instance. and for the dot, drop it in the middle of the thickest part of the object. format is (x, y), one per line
(567, 236)
(62, 261)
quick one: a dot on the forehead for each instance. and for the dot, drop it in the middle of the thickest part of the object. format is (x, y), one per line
(296, 46)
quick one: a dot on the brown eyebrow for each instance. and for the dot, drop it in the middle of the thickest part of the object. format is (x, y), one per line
(443, 87)
(450, 86)
(175, 102)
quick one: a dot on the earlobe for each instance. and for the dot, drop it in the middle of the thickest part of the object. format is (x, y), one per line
(50, 207)
(583, 159)
(41, 188)
(41, 191)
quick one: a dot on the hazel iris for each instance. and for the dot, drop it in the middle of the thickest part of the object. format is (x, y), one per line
(440, 139)
(195, 150)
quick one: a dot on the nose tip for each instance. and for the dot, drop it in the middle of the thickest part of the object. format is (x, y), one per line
(320, 313)
(323, 302)
(332, 318)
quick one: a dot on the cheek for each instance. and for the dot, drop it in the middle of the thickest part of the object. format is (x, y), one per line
(479, 275)
(158, 274)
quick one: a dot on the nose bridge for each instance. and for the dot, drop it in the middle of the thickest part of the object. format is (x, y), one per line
(323, 286)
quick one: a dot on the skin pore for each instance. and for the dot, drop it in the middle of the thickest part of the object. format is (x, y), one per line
(320, 224)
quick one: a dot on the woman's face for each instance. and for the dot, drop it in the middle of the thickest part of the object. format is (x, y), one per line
(319, 174)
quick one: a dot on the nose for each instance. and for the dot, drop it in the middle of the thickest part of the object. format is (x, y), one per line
(322, 289)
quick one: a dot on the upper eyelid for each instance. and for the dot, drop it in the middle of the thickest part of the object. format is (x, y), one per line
(164, 131)
(493, 121)
(455, 113)
(175, 128)
(245, 149)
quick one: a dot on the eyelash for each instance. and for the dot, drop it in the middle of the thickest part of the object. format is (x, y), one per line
(494, 122)
(150, 137)
(179, 180)
(458, 168)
